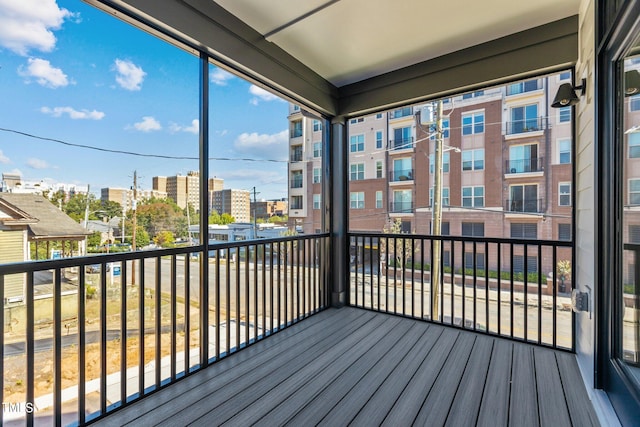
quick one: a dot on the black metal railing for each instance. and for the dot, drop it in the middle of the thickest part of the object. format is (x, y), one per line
(296, 155)
(401, 144)
(526, 125)
(120, 326)
(503, 287)
(401, 175)
(400, 112)
(524, 165)
(524, 205)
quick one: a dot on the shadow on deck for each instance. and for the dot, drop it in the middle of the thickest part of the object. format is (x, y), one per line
(351, 366)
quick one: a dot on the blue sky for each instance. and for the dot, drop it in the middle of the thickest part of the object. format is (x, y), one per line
(73, 73)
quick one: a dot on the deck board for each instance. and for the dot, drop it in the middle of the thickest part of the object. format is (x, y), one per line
(351, 366)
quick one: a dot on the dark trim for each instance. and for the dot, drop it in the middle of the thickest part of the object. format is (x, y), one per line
(204, 204)
(616, 36)
(531, 52)
(339, 212)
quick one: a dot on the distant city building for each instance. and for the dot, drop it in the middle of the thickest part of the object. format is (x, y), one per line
(13, 183)
(124, 196)
(182, 189)
(237, 203)
(265, 209)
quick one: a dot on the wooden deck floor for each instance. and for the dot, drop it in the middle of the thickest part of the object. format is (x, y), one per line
(356, 367)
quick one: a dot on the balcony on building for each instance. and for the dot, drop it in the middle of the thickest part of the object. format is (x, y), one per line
(526, 127)
(401, 176)
(296, 153)
(524, 205)
(400, 113)
(401, 144)
(401, 207)
(517, 167)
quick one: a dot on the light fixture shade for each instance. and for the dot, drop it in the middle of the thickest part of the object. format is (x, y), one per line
(631, 82)
(565, 96)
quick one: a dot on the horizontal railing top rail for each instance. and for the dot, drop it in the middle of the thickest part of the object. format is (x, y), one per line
(458, 238)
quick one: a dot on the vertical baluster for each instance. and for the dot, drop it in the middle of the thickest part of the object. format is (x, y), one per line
(30, 337)
(82, 321)
(499, 286)
(141, 326)
(57, 340)
(539, 293)
(526, 291)
(174, 313)
(554, 280)
(158, 322)
(103, 338)
(123, 332)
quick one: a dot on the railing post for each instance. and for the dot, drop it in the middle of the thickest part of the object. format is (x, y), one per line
(204, 209)
(338, 212)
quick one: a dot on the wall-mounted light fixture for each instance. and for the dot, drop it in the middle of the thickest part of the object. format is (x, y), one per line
(566, 95)
(631, 82)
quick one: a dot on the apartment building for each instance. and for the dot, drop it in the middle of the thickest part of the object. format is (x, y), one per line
(124, 196)
(265, 209)
(506, 167)
(236, 203)
(182, 189)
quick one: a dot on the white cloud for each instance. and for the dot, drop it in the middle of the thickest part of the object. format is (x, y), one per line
(220, 77)
(29, 24)
(261, 95)
(73, 114)
(128, 75)
(4, 159)
(193, 128)
(44, 73)
(271, 146)
(37, 163)
(148, 124)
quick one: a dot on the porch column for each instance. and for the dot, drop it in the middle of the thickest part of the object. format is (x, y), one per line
(338, 212)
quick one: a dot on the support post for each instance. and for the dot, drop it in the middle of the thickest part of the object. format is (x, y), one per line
(204, 210)
(338, 212)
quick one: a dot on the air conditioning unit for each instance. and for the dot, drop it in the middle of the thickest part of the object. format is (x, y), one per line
(428, 114)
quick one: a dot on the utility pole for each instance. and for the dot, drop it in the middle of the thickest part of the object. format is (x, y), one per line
(437, 215)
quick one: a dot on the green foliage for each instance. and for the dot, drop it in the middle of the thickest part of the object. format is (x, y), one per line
(94, 239)
(224, 219)
(164, 239)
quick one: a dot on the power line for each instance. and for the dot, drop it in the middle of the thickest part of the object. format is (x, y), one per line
(132, 153)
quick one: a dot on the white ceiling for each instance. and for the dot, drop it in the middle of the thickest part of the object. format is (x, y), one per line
(346, 41)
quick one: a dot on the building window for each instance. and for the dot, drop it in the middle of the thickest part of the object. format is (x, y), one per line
(473, 159)
(296, 108)
(445, 130)
(296, 153)
(473, 229)
(356, 142)
(317, 149)
(401, 112)
(524, 119)
(524, 198)
(473, 197)
(379, 200)
(473, 123)
(317, 125)
(564, 194)
(524, 230)
(357, 171)
(564, 151)
(379, 139)
(402, 138)
(379, 169)
(445, 196)
(524, 158)
(317, 175)
(317, 201)
(634, 103)
(296, 128)
(564, 232)
(402, 201)
(296, 202)
(565, 76)
(634, 191)
(634, 234)
(296, 179)
(522, 87)
(402, 170)
(634, 145)
(378, 115)
(564, 115)
(357, 200)
(518, 264)
(358, 120)
(468, 261)
(445, 162)
(445, 229)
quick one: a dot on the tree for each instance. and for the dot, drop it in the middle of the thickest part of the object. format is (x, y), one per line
(400, 248)
(164, 238)
(564, 272)
(94, 239)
